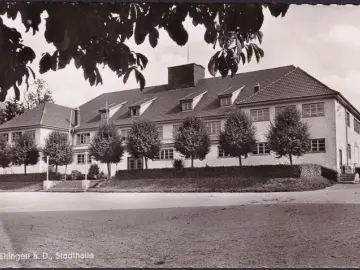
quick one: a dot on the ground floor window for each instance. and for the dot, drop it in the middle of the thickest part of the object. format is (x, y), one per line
(317, 145)
(135, 163)
(222, 153)
(81, 159)
(261, 148)
(4, 136)
(165, 154)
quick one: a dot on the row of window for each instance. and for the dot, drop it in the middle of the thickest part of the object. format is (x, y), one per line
(262, 148)
(308, 110)
(15, 135)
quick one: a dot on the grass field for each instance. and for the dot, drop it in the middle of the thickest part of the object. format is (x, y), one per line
(226, 184)
(278, 235)
(20, 186)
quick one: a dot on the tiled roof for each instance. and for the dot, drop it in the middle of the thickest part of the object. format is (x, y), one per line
(230, 90)
(167, 105)
(48, 114)
(295, 84)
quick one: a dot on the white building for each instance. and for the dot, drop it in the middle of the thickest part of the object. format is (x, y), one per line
(334, 122)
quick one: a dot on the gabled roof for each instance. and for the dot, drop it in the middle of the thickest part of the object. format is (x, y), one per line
(140, 102)
(295, 84)
(229, 91)
(167, 107)
(49, 114)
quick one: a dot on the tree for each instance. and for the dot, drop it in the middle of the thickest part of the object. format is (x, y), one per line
(39, 95)
(13, 108)
(106, 146)
(192, 139)
(24, 151)
(58, 149)
(5, 153)
(238, 137)
(289, 136)
(94, 34)
(143, 140)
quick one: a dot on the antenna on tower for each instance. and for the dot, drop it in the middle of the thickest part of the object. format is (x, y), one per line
(188, 45)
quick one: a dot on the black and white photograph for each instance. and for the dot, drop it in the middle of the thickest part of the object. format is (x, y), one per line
(178, 134)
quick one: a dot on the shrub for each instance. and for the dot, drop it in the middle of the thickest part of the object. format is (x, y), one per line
(329, 173)
(102, 175)
(357, 170)
(178, 163)
(93, 172)
(75, 175)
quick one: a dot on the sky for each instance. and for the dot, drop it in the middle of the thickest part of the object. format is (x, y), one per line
(322, 40)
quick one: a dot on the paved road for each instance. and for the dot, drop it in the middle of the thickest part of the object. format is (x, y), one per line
(42, 201)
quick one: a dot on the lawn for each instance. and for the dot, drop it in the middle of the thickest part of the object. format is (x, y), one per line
(225, 184)
(20, 186)
(276, 235)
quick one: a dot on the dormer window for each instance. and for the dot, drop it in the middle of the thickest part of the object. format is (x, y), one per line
(138, 108)
(103, 115)
(109, 110)
(229, 96)
(190, 101)
(135, 111)
(225, 101)
(186, 105)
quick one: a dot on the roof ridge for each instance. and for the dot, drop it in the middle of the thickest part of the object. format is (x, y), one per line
(43, 113)
(271, 83)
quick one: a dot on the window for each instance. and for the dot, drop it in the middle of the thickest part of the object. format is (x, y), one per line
(160, 131)
(4, 136)
(348, 150)
(83, 138)
(15, 135)
(356, 126)
(103, 115)
(213, 128)
(135, 112)
(222, 153)
(279, 109)
(225, 101)
(31, 133)
(313, 110)
(165, 154)
(186, 106)
(81, 159)
(317, 145)
(175, 129)
(260, 114)
(347, 119)
(261, 149)
(125, 132)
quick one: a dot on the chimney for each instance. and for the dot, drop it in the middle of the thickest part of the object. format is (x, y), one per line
(185, 75)
(77, 116)
(256, 88)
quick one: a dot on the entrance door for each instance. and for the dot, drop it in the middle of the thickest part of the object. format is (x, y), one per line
(135, 163)
(340, 160)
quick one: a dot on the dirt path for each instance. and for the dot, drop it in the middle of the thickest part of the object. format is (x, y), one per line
(271, 235)
(42, 201)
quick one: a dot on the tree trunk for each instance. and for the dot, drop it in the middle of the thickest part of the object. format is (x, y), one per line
(56, 168)
(192, 162)
(240, 163)
(290, 157)
(65, 171)
(146, 162)
(109, 170)
(25, 168)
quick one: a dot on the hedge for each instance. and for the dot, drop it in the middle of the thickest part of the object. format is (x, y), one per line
(278, 171)
(329, 173)
(30, 177)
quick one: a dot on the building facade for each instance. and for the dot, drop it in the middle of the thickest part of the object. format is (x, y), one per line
(334, 123)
